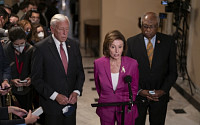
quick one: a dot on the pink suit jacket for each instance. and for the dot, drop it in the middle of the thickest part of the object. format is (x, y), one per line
(103, 82)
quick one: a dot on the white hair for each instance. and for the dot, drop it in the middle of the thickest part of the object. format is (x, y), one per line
(58, 18)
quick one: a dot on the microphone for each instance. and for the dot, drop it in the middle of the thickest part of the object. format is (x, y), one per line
(128, 79)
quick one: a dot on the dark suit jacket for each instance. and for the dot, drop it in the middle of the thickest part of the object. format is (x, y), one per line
(48, 74)
(4, 118)
(15, 8)
(24, 57)
(4, 66)
(163, 72)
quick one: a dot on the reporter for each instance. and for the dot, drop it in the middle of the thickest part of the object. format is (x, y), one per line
(19, 53)
(4, 111)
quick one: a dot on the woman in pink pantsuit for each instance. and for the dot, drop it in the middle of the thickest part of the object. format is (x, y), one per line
(109, 73)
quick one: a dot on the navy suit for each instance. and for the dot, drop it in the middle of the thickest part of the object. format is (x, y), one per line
(48, 74)
(161, 76)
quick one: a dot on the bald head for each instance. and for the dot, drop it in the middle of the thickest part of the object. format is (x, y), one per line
(150, 16)
(150, 23)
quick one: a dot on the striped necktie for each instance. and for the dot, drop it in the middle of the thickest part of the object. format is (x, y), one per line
(150, 51)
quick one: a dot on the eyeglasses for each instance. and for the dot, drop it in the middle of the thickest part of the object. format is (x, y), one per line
(149, 26)
(35, 17)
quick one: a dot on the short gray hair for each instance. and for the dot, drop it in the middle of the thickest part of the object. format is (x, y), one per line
(153, 15)
(58, 18)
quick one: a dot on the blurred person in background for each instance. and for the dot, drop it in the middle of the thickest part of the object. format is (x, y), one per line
(15, 7)
(7, 8)
(24, 8)
(33, 16)
(26, 25)
(13, 20)
(38, 33)
(3, 20)
(42, 8)
(52, 10)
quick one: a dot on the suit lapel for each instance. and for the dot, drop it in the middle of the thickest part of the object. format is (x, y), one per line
(122, 71)
(54, 51)
(143, 50)
(156, 49)
(70, 56)
(107, 69)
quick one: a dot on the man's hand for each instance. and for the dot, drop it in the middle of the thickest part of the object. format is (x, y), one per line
(30, 119)
(152, 97)
(17, 111)
(145, 93)
(62, 99)
(73, 98)
(28, 81)
(4, 85)
(159, 93)
(16, 82)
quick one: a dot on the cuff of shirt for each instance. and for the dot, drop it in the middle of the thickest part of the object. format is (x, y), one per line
(53, 96)
(78, 92)
(139, 91)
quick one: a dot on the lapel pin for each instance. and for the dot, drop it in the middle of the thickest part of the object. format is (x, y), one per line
(123, 69)
(158, 41)
(68, 46)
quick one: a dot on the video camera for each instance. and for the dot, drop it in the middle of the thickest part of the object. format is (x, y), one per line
(177, 6)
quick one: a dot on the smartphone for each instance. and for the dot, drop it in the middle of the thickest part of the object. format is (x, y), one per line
(23, 81)
(5, 88)
(38, 111)
(152, 92)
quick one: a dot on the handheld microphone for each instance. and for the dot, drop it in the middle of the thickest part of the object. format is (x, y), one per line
(128, 79)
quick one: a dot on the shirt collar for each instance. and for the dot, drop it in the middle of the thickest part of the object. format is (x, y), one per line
(57, 42)
(153, 41)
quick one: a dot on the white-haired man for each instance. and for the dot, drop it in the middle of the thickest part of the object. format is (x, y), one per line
(57, 73)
